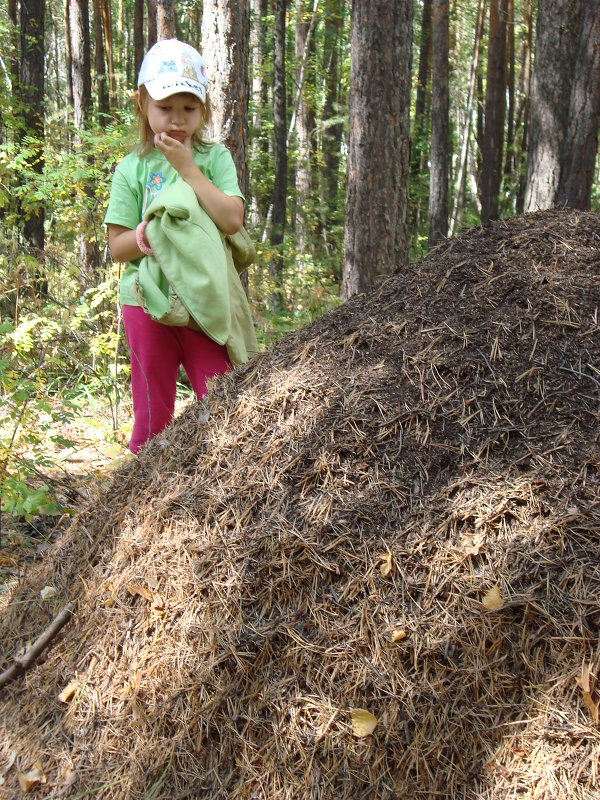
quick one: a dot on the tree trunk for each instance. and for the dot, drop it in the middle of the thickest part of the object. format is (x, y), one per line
(81, 62)
(165, 23)
(333, 129)
(510, 87)
(31, 88)
(523, 94)
(495, 108)
(440, 103)
(464, 151)
(138, 35)
(225, 40)
(68, 57)
(101, 82)
(152, 13)
(376, 235)
(418, 135)
(259, 144)
(108, 41)
(557, 33)
(280, 147)
(581, 140)
(304, 119)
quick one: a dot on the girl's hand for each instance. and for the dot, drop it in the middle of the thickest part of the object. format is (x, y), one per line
(178, 152)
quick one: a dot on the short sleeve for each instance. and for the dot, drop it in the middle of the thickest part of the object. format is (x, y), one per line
(125, 203)
(225, 173)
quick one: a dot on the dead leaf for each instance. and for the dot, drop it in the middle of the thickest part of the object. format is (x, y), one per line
(386, 567)
(492, 600)
(398, 635)
(29, 780)
(68, 692)
(138, 713)
(586, 688)
(363, 722)
(48, 592)
(137, 588)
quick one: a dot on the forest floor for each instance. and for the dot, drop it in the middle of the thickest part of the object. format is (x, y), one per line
(366, 565)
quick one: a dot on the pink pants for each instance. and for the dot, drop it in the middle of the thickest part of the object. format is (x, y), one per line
(156, 353)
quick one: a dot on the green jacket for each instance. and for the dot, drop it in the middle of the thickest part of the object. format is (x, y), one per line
(192, 280)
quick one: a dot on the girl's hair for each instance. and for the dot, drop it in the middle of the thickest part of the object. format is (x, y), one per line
(146, 142)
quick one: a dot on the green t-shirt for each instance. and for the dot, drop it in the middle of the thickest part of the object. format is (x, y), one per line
(138, 180)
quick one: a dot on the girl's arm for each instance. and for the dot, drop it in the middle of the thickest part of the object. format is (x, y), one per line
(122, 243)
(226, 212)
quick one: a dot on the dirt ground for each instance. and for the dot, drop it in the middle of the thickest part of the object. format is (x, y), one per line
(389, 518)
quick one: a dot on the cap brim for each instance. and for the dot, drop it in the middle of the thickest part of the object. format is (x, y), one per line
(167, 85)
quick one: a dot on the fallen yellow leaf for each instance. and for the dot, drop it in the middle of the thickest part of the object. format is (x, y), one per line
(29, 780)
(586, 688)
(492, 600)
(68, 692)
(363, 722)
(136, 588)
(398, 635)
(386, 567)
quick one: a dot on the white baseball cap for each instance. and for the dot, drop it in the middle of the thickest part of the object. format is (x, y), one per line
(170, 67)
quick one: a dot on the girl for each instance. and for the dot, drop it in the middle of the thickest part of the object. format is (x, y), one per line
(173, 111)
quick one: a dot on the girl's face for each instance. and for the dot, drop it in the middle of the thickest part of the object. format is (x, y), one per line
(179, 116)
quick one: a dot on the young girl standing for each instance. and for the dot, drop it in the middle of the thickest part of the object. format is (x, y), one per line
(173, 111)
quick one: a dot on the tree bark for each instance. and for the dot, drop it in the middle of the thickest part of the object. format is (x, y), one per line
(258, 143)
(280, 147)
(138, 35)
(304, 119)
(495, 109)
(417, 146)
(152, 25)
(31, 88)
(225, 41)
(99, 63)
(376, 234)
(331, 141)
(440, 103)
(81, 61)
(581, 140)
(464, 151)
(165, 20)
(557, 32)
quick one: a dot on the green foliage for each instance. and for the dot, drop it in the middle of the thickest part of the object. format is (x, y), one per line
(54, 359)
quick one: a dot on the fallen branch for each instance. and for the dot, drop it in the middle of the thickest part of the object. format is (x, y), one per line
(22, 663)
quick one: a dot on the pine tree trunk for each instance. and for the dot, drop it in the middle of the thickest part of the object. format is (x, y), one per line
(81, 61)
(225, 40)
(331, 142)
(419, 127)
(108, 41)
(305, 120)
(280, 147)
(101, 82)
(495, 109)
(259, 145)
(438, 175)
(557, 33)
(581, 140)
(524, 83)
(31, 89)
(466, 134)
(165, 22)
(376, 234)
(138, 35)
(152, 24)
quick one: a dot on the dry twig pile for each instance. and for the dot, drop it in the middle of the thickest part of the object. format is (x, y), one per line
(396, 509)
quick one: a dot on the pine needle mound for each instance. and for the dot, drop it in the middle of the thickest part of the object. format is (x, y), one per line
(367, 565)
